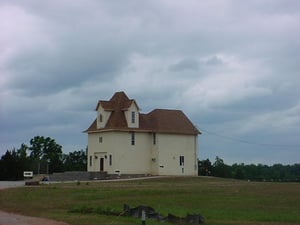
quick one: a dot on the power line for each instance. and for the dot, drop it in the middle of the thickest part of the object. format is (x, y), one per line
(246, 141)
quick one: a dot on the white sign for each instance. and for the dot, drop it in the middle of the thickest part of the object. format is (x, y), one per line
(28, 174)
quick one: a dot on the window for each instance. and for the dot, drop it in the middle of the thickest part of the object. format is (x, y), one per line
(100, 139)
(91, 159)
(132, 138)
(181, 160)
(154, 138)
(132, 117)
(100, 118)
(110, 160)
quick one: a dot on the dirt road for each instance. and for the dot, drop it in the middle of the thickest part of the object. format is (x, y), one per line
(14, 219)
(11, 184)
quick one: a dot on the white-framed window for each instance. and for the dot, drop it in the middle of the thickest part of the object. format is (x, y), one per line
(132, 138)
(100, 118)
(100, 139)
(181, 160)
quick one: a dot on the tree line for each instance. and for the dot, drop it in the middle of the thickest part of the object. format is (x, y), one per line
(42, 156)
(259, 172)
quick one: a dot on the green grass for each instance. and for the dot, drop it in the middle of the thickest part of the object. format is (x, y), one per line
(220, 201)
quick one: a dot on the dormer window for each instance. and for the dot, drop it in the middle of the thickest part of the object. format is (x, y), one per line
(100, 118)
(133, 117)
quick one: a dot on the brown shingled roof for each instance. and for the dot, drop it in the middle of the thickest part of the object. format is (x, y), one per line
(158, 120)
(170, 121)
(92, 127)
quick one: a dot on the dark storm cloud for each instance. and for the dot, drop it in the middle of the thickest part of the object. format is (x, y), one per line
(46, 73)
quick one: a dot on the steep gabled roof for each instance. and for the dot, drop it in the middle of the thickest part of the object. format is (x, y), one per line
(119, 101)
(158, 120)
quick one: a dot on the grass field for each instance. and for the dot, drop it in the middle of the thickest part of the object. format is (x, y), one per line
(220, 201)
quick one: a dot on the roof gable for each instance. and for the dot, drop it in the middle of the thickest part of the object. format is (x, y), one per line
(119, 101)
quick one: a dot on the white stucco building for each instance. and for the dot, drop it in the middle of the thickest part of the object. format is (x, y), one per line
(123, 140)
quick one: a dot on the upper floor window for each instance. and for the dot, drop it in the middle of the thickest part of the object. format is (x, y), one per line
(100, 118)
(132, 117)
(154, 138)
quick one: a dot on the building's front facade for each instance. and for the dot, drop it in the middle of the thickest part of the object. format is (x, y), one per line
(122, 140)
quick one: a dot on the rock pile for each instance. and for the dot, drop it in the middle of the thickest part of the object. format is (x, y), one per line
(190, 219)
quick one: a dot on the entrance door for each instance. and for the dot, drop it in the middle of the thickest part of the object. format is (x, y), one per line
(101, 164)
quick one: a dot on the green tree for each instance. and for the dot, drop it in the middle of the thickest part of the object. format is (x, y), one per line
(220, 169)
(8, 163)
(13, 163)
(46, 153)
(238, 171)
(204, 167)
(75, 161)
(22, 151)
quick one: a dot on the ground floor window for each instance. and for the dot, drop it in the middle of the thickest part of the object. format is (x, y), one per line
(110, 160)
(91, 159)
(181, 160)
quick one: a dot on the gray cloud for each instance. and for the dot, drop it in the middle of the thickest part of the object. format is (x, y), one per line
(185, 64)
(231, 66)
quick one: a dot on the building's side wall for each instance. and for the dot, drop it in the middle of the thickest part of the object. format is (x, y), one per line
(118, 153)
(171, 147)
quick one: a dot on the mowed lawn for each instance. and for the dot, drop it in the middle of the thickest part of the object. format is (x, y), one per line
(220, 201)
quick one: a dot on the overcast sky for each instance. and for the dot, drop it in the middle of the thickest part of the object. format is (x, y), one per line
(233, 67)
